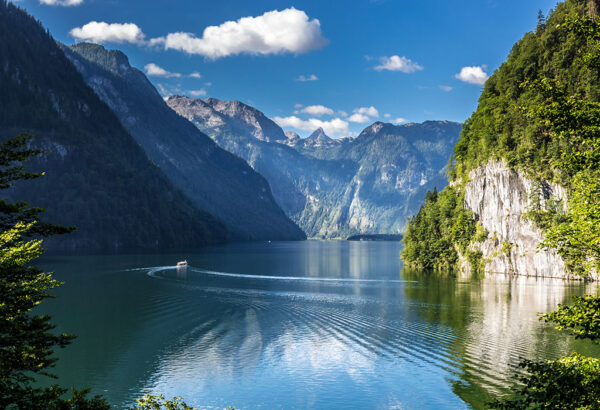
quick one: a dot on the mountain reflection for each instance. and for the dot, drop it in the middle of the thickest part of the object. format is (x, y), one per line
(298, 325)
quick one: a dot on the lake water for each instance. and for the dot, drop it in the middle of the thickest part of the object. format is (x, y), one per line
(326, 325)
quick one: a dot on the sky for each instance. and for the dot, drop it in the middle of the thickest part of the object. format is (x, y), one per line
(339, 65)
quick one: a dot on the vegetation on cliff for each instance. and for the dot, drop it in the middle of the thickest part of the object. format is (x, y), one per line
(539, 113)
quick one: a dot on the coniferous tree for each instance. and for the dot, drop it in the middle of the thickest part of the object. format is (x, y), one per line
(27, 340)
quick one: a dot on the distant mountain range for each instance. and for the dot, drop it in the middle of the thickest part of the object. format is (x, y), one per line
(214, 179)
(131, 173)
(333, 188)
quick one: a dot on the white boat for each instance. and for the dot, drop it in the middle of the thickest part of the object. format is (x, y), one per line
(182, 263)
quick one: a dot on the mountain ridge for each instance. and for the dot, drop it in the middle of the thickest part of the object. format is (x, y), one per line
(214, 179)
(97, 176)
(349, 186)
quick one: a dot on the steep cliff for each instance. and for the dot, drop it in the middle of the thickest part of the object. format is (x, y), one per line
(500, 199)
(524, 184)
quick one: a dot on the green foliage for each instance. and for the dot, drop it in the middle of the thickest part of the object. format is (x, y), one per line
(27, 340)
(441, 229)
(502, 126)
(507, 248)
(540, 112)
(150, 402)
(582, 318)
(576, 236)
(571, 382)
(481, 234)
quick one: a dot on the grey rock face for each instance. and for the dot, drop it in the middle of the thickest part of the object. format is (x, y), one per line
(500, 197)
(335, 188)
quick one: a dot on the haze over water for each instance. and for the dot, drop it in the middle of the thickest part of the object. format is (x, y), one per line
(312, 324)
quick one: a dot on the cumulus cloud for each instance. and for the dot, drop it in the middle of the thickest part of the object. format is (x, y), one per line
(369, 111)
(156, 71)
(387, 115)
(446, 88)
(317, 110)
(197, 93)
(304, 78)
(399, 120)
(473, 75)
(274, 32)
(335, 127)
(397, 63)
(61, 2)
(195, 74)
(101, 32)
(360, 118)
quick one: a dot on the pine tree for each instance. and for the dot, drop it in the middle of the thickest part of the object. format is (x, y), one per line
(27, 340)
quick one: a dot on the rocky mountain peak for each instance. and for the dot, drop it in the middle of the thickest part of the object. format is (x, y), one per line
(319, 135)
(245, 119)
(373, 129)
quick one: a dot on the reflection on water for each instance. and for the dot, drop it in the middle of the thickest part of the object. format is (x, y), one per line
(299, 325)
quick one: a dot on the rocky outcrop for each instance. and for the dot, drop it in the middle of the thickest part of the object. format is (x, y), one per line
(500, 198)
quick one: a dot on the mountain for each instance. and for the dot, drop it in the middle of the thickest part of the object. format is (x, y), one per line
(215, 180)
(515, 180)
(318, 139)
(97, 176)
(335, 188)
(292, 139)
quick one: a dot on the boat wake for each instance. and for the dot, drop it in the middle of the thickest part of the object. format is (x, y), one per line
(154, 272)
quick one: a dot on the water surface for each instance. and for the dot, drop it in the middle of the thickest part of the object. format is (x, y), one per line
(313, 324)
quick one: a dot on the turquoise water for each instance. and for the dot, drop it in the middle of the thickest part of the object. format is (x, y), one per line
(295, 325)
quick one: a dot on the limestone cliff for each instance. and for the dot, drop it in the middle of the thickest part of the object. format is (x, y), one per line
(500, 198)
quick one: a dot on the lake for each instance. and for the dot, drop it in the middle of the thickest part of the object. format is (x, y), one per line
(295, 325)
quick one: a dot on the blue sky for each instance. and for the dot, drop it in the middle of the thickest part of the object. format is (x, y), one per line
(365, 60)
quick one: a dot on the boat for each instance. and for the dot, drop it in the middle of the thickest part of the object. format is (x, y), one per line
(182, 263)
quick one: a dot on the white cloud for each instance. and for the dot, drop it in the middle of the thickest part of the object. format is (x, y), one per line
(370, 111)
(296, 106)
(399, 120)
(446, 88)
(208, 84)
(101, 32)
(156, 71)
(360, 118)
(274, 32)
(342, 113)
(195, 74)
(197, 93)
(473, 75)
(335, 127)
(61, 2)
(396, 63)
(304, 78)
(317, 110)
(387, 115)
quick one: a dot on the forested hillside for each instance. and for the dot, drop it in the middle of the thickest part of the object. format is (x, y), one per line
(97, 176)
(214, 179)
(538, 116)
